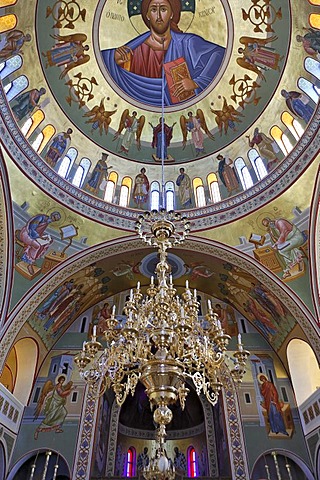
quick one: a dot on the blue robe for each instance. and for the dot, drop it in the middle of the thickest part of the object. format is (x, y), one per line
(202, 57)
(276, 421)
(301, 109)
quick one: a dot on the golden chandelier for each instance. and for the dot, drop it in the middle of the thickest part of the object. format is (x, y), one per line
(162, 343)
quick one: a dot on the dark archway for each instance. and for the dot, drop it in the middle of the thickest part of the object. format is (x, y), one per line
(37, 460)
(136, 412)
(284, 462)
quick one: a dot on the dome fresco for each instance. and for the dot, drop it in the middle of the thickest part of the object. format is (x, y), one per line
(235, 82)
(232, 140)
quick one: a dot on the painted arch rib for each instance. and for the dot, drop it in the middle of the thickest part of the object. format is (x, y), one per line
(23, 311)
(6, 243)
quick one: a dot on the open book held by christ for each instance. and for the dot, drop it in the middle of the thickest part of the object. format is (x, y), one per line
(176, 71)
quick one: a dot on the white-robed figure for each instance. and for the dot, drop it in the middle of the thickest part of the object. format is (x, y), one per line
(137, 66)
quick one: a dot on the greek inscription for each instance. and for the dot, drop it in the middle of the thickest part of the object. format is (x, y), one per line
(115, 16)
(207, 11)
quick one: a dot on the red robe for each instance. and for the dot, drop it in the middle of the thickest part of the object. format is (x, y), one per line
(147, 62)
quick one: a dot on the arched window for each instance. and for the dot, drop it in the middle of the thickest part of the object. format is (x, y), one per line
(7, 22)
(7, 3)
(312, 66)
(16, 86)
(192, 463)
(32, 123)
(20, 364)
(309, 89)
(77, 180)
(214, 187)
(43, 138)
(257, 163)
(65, 167)
(281, 139)
(314, 19)
(199, 192)
(243, 173)
(67, 162)
(292, 124)
(304, 369)
(10, 66)
(155, 195)
(169, 187)
(81, 172)
(125, 191)
(130, 463)
(26, 126)
(111, 187)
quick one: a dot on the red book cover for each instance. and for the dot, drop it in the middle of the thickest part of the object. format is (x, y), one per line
(175, 71)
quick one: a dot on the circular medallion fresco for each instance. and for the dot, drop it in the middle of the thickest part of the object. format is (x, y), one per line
(215, 64)
(146, 67)
(149, 263)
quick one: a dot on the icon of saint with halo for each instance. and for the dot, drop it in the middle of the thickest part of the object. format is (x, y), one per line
(189, 62)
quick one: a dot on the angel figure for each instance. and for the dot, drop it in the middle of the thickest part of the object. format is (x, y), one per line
(198, 270)
(127, 269)
(256, 56)
(133, 129)
(100, 117)
(52, 402)
(226, 117)
(69, 52)
(195, 124)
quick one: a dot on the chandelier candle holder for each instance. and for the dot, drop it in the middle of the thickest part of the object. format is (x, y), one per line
(162, 343)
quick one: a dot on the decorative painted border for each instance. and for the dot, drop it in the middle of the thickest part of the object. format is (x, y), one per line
(210, 437)
(124, 218)
(149, 434)
(237, 448)
(82, 460)
(112, 440)
(3, 249)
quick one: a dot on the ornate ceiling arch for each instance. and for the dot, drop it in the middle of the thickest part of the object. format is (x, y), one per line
(219, 260)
